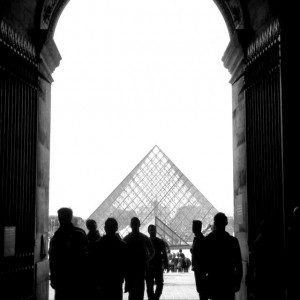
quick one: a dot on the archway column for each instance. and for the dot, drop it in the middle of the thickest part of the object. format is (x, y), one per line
(49, 60)
(233, 60)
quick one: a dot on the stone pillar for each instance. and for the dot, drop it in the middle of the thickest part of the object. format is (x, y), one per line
(233, 61)
(50, 59)
(18, 126)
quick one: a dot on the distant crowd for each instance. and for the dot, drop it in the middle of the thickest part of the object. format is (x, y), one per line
(178, 262)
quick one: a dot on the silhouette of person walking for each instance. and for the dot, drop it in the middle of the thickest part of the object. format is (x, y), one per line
(198, 258)
(157, 265)
(140, 252)
(67, 254)
(110, 256)
(293, 257)
(223, 262)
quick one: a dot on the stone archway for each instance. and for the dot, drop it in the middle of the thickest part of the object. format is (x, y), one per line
(30, 57)
(234, 18)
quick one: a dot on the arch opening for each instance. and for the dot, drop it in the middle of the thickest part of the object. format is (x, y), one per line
(154, 109)
(111, 68)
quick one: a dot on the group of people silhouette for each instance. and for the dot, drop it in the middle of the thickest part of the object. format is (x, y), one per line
(91, 266)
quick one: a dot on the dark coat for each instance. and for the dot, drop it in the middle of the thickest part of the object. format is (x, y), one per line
(223, 265)
(67, 254)
(160, 258)
(197, 252)
(141, 251)
(110, 260)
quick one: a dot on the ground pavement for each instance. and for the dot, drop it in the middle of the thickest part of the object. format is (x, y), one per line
(178, 286)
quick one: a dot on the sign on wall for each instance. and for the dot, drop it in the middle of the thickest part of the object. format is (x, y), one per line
(9, 241)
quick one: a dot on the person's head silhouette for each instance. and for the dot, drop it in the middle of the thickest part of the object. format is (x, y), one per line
(220, 221)
(65, 216)
(91, 225)
(197, 227)
(111, 226)
(135, 224)
(152, 230)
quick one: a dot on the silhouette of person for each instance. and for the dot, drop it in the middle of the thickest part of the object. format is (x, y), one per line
(92, 237)
(181, 254)
(175, 262)
(188, 263)
(171, 262)
(67, 254)
(223, 262)
(293, 257)
(198, 258)
(181, 261)
(93, 233)
(109, 256)
(141, 251)
(157, 265)
(169, 254)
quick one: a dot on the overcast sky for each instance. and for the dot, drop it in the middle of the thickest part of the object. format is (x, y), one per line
(135, 74)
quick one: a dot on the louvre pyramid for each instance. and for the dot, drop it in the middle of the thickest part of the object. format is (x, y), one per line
(156, 190)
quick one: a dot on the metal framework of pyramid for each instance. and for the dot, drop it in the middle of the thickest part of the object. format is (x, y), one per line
(156, 190)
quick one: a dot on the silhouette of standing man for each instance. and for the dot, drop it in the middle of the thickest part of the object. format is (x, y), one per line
(67, 254)
(223, 262)
(157, 265)
(198, 258)
(110, 258)
(140, 252)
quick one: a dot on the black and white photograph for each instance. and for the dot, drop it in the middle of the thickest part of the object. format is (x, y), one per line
(148, 150)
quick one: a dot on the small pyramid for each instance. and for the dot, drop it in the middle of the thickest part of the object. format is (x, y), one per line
(156, 188)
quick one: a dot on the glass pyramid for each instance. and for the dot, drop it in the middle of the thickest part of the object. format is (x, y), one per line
(157, 191)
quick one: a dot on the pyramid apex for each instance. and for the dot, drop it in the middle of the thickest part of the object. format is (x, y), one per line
(155, 149)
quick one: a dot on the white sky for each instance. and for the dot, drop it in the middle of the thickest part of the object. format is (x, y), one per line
(135, 74)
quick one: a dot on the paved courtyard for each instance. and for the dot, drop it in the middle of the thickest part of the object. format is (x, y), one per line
(178, 286)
